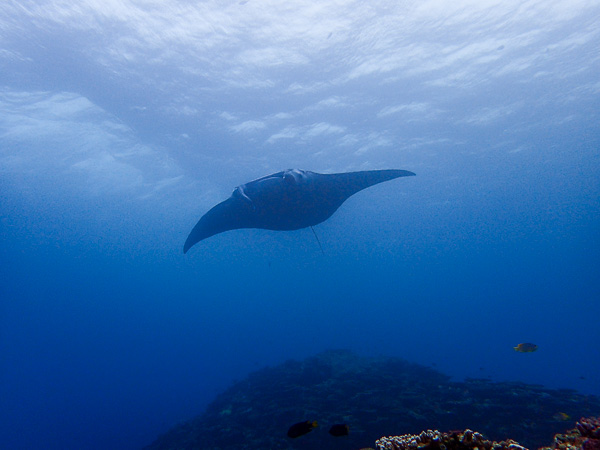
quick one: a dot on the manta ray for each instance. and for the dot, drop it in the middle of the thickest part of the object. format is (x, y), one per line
(287, 200)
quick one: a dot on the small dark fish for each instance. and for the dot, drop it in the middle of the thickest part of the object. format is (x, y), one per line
(301, 428)
(526, 347)
(339, 429)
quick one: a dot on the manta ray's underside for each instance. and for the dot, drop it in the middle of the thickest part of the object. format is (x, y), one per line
(287, 200)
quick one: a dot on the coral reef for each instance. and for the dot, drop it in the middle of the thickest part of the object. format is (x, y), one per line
(435, 440)
(585, 436)
(374, 397)
(589, 427)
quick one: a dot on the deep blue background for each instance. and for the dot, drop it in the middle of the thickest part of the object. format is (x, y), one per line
(121, 125)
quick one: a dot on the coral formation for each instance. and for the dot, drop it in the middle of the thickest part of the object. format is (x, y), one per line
(585, 436)
(374, 397)
(454, 440)
(589, 427)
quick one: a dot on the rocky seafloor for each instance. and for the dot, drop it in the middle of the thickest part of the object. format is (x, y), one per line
(375, 397)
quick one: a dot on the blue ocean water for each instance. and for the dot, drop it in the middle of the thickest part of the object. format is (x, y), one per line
(121, 123)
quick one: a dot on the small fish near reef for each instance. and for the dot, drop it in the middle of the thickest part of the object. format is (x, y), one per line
(339, 429)
(301, 428)
(526, 347)
(561, 416)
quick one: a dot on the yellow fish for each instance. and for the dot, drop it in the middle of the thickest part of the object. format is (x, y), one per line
(526, 347)
(561, 416)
